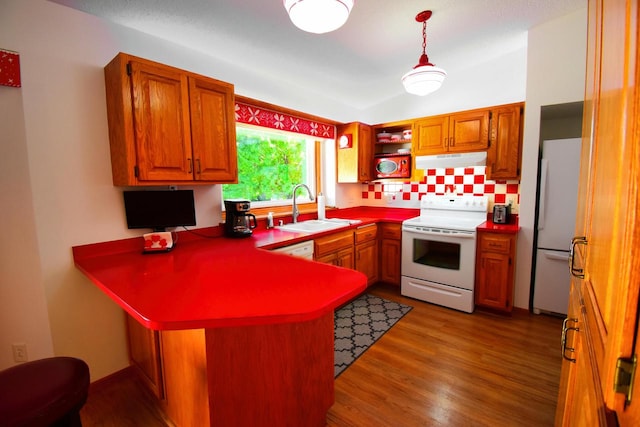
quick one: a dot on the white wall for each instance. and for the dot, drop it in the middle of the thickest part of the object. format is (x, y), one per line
(23, 309)
(555, 75)
(55, 168)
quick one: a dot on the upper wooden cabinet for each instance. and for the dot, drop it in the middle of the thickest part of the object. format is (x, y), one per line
(504, 156)
(168, 126)
(460, 132)
(354, 153)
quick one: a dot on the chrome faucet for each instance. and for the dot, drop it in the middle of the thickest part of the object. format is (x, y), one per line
(295, 211)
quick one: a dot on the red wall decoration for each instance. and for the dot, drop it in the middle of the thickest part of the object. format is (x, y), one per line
(257, 116)
(9, 68)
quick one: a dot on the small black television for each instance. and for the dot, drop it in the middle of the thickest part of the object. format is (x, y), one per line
(159, 209)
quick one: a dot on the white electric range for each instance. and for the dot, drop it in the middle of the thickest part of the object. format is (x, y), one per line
(439, 250)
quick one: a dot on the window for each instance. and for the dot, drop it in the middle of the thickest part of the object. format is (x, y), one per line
(270, 164)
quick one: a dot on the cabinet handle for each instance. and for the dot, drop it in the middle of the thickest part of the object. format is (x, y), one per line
(446, 142)
(199, 169)
(563, 346)
(452, 142)
(576, 272)
(190, 165)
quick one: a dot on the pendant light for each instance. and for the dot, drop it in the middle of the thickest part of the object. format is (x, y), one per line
(424, 78)
(318, 16)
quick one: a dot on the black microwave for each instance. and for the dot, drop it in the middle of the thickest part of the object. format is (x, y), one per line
(392, 165)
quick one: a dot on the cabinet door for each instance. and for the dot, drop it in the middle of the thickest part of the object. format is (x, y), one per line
(328, 259)
(430, 135)
(390, 261)
(505, 152)
(492, 280)
(354, 162)
(494, 270)
(367, 260)
(346, 259)
(579, 389)
(144, 353)
(161, 122)
(469, 131)
(213, 130)
(365, 153)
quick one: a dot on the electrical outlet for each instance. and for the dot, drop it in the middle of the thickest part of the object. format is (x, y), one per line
(19, 352)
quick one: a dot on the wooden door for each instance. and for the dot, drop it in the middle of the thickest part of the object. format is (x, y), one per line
(469, 131)
(390, 261)
(608, 219)
(505, 152)
(366, 255)
(430, 135)
(161, 122)
(213, 130)
(365, 153)
(144, 354)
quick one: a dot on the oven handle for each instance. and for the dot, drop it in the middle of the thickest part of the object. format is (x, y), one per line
(457, 234)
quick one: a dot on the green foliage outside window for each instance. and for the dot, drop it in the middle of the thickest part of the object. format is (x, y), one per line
(269, 165)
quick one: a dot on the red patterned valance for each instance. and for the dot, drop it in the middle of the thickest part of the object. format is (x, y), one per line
(258, 116)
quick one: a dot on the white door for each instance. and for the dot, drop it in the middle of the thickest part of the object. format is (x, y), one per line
(552, 282)
(559, 172)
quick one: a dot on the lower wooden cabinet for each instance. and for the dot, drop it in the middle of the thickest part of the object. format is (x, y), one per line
(495, 261)
(390, 251)
(336, 249)
(145, 355)
(366, 251)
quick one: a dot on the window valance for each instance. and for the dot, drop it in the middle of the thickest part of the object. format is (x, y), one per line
(259, 116)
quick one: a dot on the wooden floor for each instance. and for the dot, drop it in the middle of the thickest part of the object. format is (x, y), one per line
(435, 367)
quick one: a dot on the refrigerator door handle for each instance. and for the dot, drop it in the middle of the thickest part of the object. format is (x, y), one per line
(557, 256)
(544, 166)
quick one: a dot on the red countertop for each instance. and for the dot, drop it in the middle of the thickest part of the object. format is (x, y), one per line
(511, 228)
(221, 282)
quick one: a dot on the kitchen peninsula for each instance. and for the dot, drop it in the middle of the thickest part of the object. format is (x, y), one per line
(247, 335)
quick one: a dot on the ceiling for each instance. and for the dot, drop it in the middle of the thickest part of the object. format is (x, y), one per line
(359, 64)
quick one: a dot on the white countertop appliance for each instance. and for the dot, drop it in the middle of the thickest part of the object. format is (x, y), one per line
(439, 250)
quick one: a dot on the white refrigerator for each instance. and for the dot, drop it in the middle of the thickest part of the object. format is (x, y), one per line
(558, 194)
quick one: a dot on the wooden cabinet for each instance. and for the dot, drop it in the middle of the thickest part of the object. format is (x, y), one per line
(390, 251)
(366, 251)
(495, 270)
(145, 355)
(504, 156)
(336, 249)
(460, 132)
(168, 126)
(354, 153)
(606, 263)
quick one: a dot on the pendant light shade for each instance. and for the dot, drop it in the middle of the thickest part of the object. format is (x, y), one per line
(425, 77)
(318, 16)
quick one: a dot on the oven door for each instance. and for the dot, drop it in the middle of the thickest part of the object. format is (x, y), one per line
(443, 257)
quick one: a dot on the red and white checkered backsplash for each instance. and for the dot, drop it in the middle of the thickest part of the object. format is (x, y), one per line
(461, 181)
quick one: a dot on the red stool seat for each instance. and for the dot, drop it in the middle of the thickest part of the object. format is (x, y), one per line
(46, 392)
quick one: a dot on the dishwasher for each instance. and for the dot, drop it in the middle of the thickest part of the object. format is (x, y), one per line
(301, 250)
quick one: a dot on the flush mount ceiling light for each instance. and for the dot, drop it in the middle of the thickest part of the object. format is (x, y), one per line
(318, 16)
(424, 78)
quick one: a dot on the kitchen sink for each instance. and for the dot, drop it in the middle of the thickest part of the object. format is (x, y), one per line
(314, 225)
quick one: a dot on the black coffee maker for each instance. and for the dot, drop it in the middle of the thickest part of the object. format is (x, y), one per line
(239, 222)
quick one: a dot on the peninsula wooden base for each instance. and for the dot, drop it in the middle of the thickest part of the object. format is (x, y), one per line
(267, 375)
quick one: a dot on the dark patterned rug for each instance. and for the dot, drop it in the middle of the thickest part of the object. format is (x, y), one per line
(361, 323)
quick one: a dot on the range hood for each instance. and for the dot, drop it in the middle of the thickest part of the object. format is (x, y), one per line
(453, 160)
